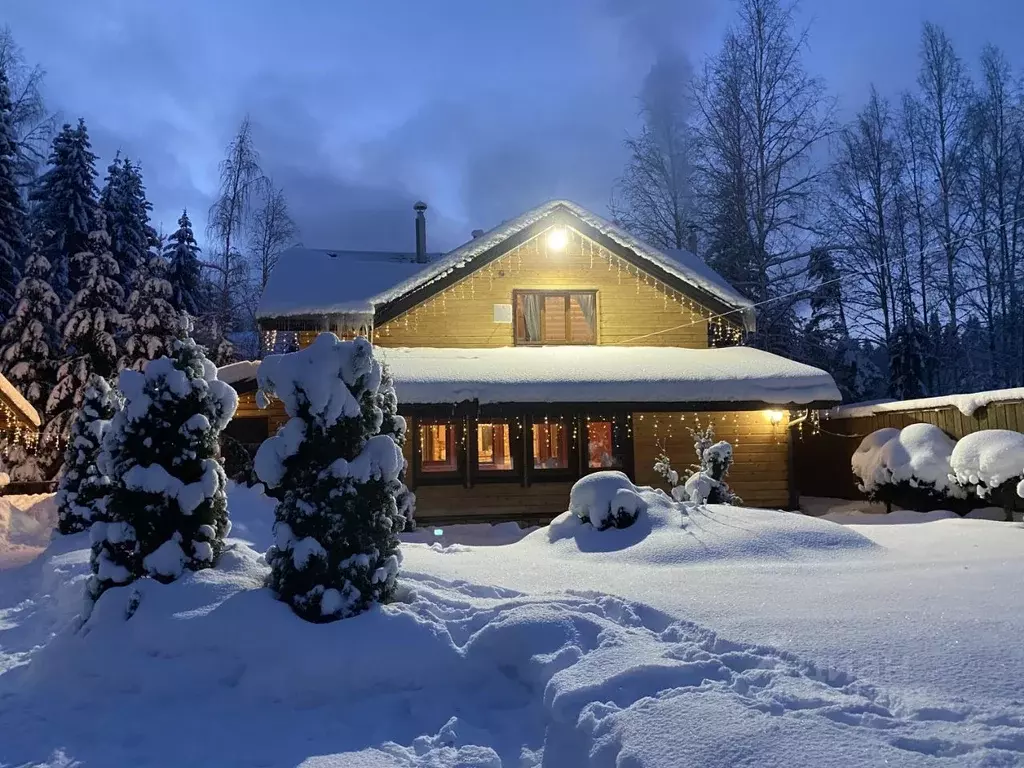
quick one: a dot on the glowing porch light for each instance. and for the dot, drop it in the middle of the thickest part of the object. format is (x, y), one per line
(775, 417)
(557, 239)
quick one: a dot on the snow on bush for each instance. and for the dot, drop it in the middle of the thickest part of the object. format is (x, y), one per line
(909, 466)
(394, 425)
(706, 485)
(168, 509)
(84, 491)
(990, 463)
(336, 477)
(606, 500)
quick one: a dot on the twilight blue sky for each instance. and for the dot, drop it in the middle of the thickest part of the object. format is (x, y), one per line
(481, 108)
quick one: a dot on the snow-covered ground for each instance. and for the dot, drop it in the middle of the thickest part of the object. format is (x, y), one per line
(711, 637)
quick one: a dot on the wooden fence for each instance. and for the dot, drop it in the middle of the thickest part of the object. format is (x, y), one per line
(821, 462)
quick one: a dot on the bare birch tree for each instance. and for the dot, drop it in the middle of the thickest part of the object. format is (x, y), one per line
(34, 126)
(271, 232)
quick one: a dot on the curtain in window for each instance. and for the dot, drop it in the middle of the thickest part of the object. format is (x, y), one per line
(589, 308)
(531, 313)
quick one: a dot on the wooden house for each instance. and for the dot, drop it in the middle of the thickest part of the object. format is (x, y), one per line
(554, 345)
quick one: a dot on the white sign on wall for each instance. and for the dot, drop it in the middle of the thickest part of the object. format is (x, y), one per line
(503, 313)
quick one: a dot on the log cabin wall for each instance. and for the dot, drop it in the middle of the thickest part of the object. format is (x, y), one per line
(629, 304)
(760, 471)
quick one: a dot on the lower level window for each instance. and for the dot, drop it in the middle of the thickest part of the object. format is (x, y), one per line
(601, 449)
(438, 451)
(550, 445)
(494, 447)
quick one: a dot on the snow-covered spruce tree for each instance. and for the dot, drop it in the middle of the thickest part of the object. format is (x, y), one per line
(66, 205)
(132, 237)
(28, 339)
(151, 320)
(183, 270)
(334, 475)
(168, 508)
(84, 490)
(89, 326)
(394, 425)
(12, 210)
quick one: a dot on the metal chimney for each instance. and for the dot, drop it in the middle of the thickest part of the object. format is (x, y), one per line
(421, 230)
(691, 238)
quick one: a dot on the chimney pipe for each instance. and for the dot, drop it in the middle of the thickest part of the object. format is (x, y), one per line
(691, 238)
(421, 231)
(477, 233)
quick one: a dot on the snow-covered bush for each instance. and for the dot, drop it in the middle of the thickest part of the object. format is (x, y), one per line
(990, 464)
(908, 467)
(706, 484)
(334, 475)
(84, 491)
(168, 509)
(606, 499)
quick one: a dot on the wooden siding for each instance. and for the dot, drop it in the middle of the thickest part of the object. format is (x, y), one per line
(629, 303)
(822, 461)
(760, 472)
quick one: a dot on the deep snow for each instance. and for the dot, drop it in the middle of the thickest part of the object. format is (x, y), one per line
(709, 637)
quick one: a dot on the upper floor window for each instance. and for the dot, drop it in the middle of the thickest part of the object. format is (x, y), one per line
(556, 317)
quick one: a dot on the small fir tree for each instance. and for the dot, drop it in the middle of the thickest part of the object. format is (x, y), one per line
(12, 210)
(66, 206)
(151, 319)
(168, 506)
(184, 271)
(394, 425)
(334, 475)
(89, 326)
(28, 340)
(84, 491)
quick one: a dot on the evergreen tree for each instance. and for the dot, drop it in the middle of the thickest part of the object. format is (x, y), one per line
(84, 490)
(132, 237)
(66, 210)
(12, 211)
(906, 366)
(89, 327)
(168, 507)
(151, 319)
(334, 475)
(394, 425)
(183, 272)
(28, 339)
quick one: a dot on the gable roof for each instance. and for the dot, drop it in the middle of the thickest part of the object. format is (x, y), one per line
(318, 281)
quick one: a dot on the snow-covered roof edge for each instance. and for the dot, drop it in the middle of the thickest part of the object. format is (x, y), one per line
(966, 403)
(18, 401)
(465, 253)
(243, 370)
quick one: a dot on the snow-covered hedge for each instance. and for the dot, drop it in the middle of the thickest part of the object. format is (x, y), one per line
(909, 467)
(990, 464)
(606, 500)
(336, 477)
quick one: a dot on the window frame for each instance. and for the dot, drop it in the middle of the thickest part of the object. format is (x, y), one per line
(622, 428)
(559, 474)
(448, 477)
(514, 475)
(567, 295)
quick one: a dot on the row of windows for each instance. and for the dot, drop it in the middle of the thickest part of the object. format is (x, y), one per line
(500, 449)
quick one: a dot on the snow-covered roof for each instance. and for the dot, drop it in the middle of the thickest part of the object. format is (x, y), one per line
(682, 264)
(18, 402)
(316, 281)
(966, 403)
(604, 374)
(244, 370)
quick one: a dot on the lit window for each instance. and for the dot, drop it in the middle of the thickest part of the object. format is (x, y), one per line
(555, 317)
(437, 448)
(494, 447)
(601, 452)
(550, 445)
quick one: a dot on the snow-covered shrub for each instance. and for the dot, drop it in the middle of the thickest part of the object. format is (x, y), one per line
(606, 499)
(334, 475)
(84, 491)
(393, 424)
(990, 464)
(908, 467)
(706, 484)
(168, 509)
